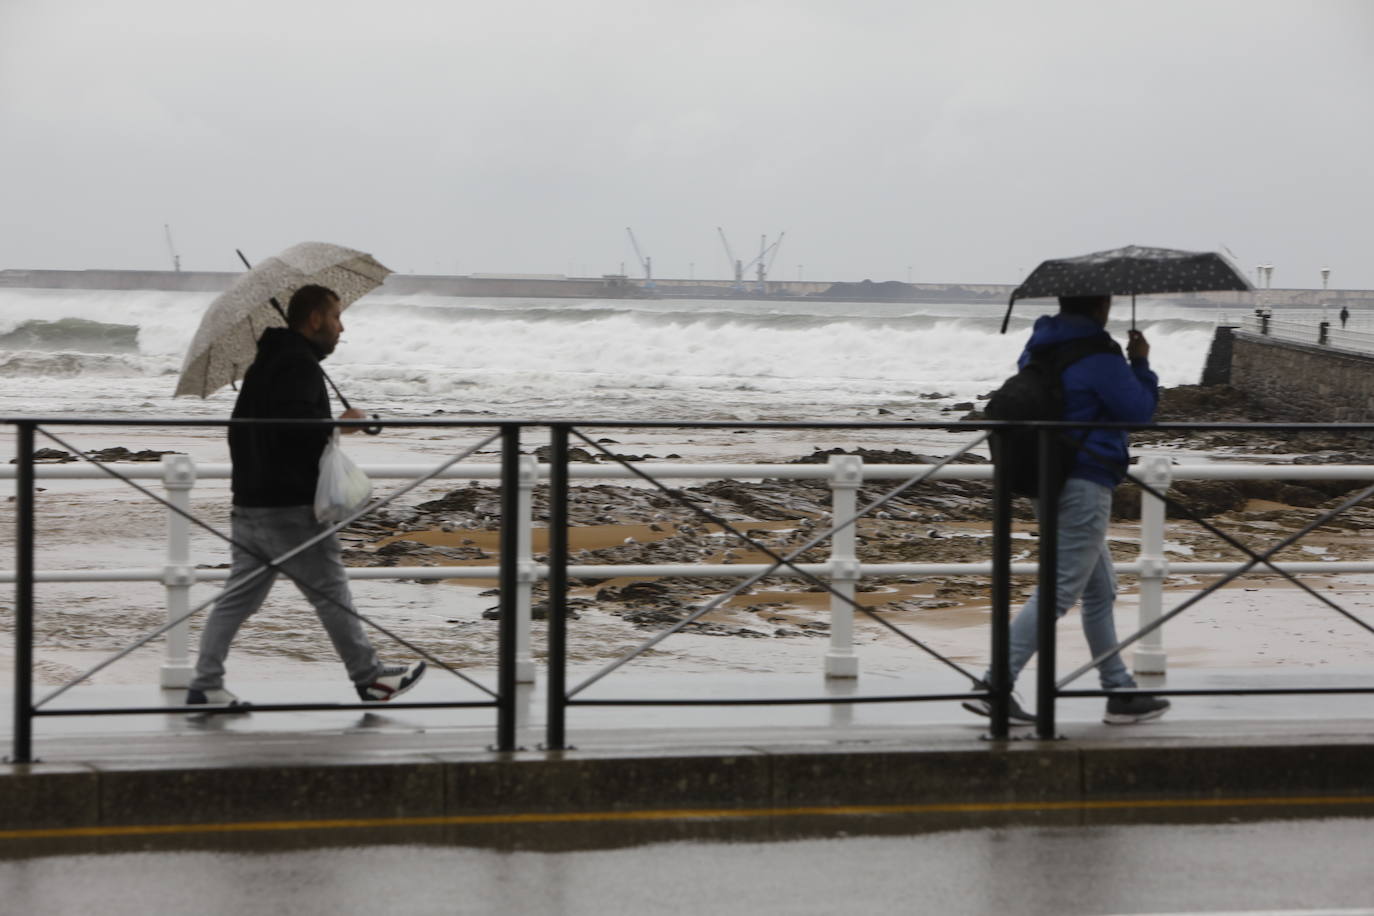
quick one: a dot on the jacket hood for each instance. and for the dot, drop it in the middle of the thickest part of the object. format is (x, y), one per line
(1051, 330)
(277, 340)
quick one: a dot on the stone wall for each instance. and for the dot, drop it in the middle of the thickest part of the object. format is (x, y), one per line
(1304, 381)
(1217, 371)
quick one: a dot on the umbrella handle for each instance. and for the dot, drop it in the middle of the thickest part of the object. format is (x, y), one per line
(1006, 319)
(373, 430)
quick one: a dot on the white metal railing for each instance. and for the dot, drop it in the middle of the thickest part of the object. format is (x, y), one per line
(1332, 336)
(844, 474)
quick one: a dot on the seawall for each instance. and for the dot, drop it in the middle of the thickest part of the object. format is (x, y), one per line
(1307, 381)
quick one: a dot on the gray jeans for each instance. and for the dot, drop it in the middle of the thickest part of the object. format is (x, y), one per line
(271, 532)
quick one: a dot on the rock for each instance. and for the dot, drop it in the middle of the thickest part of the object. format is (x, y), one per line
(1203, 497)
(653, 616)
(545, 453)
(881, 456)
(460, 500)
(49, 455)
(634, 591)
(120, 453)
(114, 453)
(398, 548)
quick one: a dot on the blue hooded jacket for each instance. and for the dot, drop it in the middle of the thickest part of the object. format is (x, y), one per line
(1101, 386)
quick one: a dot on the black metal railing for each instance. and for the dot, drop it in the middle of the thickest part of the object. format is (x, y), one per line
(996, 688)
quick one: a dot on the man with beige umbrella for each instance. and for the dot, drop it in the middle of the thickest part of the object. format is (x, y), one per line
(275, 472)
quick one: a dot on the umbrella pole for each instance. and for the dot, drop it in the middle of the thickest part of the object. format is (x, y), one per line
(1132, 311)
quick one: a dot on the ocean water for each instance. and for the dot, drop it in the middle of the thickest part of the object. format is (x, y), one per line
(117, 353)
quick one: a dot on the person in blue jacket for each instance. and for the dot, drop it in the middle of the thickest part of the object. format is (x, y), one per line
(1098, 387)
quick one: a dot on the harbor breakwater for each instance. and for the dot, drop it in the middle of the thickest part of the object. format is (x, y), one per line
(618, 287)
(532, 286)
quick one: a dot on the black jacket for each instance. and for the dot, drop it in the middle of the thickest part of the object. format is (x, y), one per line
(278, 466)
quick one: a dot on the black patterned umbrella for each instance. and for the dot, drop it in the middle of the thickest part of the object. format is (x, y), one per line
(1129, 271)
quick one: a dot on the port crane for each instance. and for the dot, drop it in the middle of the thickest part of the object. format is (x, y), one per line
(763, 263)
(176, 258)
(646, 263)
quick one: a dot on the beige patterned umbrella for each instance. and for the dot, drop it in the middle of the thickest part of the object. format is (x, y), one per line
(227, 339)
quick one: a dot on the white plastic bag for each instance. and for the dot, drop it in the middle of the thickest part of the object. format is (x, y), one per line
(343, 488)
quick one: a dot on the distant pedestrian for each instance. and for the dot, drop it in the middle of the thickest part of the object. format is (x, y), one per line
(274, 476)
(1345, 316)
(1099, 387)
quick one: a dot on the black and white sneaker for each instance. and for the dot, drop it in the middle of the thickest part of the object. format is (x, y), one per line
(393, 681)
(1129, 709)
(1016, 715)
(217, 700)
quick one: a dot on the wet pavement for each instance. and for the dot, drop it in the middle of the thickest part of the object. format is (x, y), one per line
(612, 728)
(1302, 866)
(828, 806)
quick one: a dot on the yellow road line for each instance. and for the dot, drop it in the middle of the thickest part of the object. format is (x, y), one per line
(679, 814)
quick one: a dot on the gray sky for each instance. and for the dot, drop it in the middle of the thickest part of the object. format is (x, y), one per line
(964, 140)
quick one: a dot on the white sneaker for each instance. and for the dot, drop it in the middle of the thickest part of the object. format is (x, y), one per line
(393, 681)
(218, 697)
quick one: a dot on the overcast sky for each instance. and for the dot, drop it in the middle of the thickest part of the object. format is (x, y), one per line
(962, 141)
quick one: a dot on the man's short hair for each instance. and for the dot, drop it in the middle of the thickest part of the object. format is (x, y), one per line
(1082, 305)
(306, 301)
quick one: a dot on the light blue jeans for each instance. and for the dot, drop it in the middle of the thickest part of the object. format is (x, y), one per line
(271, 532)
(1085, 571)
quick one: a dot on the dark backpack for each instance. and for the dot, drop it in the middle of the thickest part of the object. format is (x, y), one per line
(1036, 392)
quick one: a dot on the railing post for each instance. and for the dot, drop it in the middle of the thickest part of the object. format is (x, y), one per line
(556, 673)
(846, 476)
(1323, 336)
(23, 595)
(1000, 669)
(510, 552)
(1150, 657)
(525, 572)
(178, 478)
(1047, 600)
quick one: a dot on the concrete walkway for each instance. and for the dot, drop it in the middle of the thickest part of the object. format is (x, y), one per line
(394, 766)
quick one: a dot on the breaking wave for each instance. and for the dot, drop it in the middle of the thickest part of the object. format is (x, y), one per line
(72, 334)
(538, 357)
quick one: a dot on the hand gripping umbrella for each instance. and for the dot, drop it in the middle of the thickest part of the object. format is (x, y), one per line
(1129, 271)
(227, 339)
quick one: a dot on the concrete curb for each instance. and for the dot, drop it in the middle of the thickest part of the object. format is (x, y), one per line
(45, 796)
